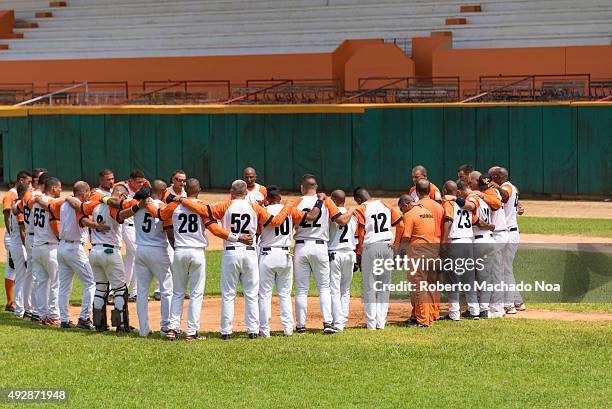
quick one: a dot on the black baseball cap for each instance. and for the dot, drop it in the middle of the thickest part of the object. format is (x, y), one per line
(484, 180)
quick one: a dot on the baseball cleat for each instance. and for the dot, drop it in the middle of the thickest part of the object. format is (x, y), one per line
(484, 314)
(520, 307)
(300, 330)
(288, 334)
(467, 314)
(35, 318)
(67, 325)
(419, 325)
(253, 335)
(195, 337)
(226, 337)
(448, 318)
(132, 298)
(27, 315)
(85, 324)
(127, 330)
(264, 334)
(411, 321)
(9, 308)
(157, 296)
(51, 323)
(510, 310)
(170, 334)
(329, 329)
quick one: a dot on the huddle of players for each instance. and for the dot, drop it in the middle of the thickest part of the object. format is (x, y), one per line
(169, 227)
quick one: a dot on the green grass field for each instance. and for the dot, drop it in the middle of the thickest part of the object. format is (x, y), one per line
(558, 225)
(501, 363)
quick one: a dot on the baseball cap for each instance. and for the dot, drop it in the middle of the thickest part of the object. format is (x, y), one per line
(484, 180)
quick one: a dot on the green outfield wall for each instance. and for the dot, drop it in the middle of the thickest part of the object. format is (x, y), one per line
(549, 149)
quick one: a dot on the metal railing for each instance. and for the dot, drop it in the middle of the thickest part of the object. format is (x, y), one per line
(405, 90)
(178, 92)
(287, 91)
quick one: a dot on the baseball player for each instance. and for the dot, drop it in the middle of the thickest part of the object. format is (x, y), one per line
(275, 265)
(417, 240)
(9, 275)
(17, 241)
(375, 220)
(419, 172)
(106, 182)
(311, 252)
(463, 172)
(152, 257)
(71, 255)
(239, 262)
(134, 183)
(480, 186)
(39, 175)
(106, 262)
(186, 232)
(512, 299)
(256, 193)
(342, 259)
(45, 278)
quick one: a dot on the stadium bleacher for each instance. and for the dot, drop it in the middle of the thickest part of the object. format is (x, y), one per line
(147, 28)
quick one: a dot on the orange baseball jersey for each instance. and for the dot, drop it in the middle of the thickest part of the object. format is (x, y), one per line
(420, 225)
(434, 193)
(493, 198)
(438, 213)
(375, 219)
(8, 199)
(280, 236)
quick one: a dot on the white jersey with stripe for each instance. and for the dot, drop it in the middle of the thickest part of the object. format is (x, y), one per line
(70, 229)
(342, 237)
(484, 213)
(317, 229)
(149, 229)
(239, 218)
(43, 233)
(277, 236)
(172, 192)
(255, 195)
(511, 207)
(462, 223)
(189, 231)
(27, 214)
(498, 217)
(377, 223)
(103, 191)
(14, 231)
(131, 193)
(101, 214)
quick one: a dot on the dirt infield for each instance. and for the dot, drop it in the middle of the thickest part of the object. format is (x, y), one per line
(398, 313)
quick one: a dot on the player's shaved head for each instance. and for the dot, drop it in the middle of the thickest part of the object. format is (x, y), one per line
(250, 176)
(450, 188)
(338, 197)
(120, 190)
(418, 172)
(79, 188)
(473, 180)
(309, 184)
(493, 170)
(239, 188)
(361, 195)
(192, 187)
(53, 186)
(422, 188)
(158, 187)
(502, 174)
(405, 203)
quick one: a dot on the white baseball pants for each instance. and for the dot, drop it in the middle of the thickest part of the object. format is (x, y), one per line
(340, 276)
(239, 265)
(9, 274)
(310, 256)
(45, 281)
(375, 302)
(511, 297)
(152, 262)
(129, 237)
(72, 259)
(496, 309)
(275, 267)
(22, 300)
(462, 249)
(188, 264)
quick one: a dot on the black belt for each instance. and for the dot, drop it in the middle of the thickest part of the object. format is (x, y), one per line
(131, 224)
(72, 241)
(482, 236)
(304, 241)
(108, 246)
(234, 248)
(270, 248)
(45, 243)
(30, 234)
(458, 238)
(514, 229)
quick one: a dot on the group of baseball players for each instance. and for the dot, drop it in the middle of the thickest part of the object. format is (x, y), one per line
(266, 244)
